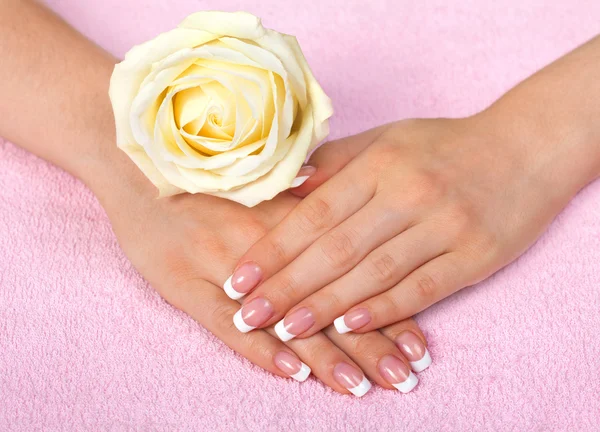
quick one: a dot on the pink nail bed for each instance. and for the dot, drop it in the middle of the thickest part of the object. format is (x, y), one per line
(294, 324)
(398, 374)
(253, 314)
(351, 378)
(414, 350)
(353, 320)
(292, 366)
(243, 280)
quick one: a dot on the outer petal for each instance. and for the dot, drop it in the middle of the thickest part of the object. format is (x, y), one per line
(238, 24)
(277, 44)
(320, 102)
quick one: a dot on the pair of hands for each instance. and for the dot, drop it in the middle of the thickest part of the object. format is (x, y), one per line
(411, 212)
(186, 245)
(400, 217)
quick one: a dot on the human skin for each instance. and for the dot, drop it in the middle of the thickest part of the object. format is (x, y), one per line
(55, 104)
(411, 212)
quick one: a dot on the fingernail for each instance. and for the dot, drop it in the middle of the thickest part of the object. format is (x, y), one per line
(243, 279)
(394, 371)
(351, 378)
(303, 175)
(292, 366)
(414, 350)
(352, 320)
(294, 324)
(253, 314)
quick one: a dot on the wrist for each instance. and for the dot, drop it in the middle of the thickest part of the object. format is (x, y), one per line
(559, 154)
(111, 174)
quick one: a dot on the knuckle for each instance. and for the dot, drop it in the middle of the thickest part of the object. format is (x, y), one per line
(425, 287)
(381, 267)
(365, 346)
(317, 350)
(460, 217)
(253, 229)
(221, 314)
(335, 302)
(338, 248)
(388, 308)
(276, 250)
(488, 244)
(257, 345)
(287, 290)
(314, 214)
(427, 191)
(385, 153)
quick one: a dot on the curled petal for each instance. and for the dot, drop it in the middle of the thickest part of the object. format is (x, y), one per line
(237, 24)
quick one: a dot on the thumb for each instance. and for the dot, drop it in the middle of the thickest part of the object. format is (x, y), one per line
(331, 158)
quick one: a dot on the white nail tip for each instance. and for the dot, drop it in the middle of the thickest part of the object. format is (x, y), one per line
(282, 333)
(361, 389)
(421, 365)
(410, 383)
(238, 321)
(340, 325)
(299, 181)
(231, 293)
(302, 374)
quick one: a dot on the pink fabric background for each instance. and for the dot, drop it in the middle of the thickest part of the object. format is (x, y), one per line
(85, 344)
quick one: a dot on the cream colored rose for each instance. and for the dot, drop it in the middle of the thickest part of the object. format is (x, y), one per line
(219, 105)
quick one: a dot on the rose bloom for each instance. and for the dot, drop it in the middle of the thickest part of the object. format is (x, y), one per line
(220, 105)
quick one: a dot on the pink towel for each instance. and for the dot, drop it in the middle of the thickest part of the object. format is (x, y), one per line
(86, 344)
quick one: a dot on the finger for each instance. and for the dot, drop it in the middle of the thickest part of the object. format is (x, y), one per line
(332, 157)
(273, 211)
(411, 342)
(209, 305)
(378, 357)
(330, 257)
(425, 286)
(326, 359)
(380, 270)
(335, 201)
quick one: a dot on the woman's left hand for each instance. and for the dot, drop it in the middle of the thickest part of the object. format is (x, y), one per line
(418, 210)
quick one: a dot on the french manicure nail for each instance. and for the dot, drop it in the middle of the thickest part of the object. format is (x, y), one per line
(294, 324)
(351, 378)
(353, 320)
(292, 366)
(303, 175)
(243, 279)
(398, 374)
(414, 350)
(253, 314)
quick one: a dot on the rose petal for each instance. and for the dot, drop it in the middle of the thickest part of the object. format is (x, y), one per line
(130, 73)
(238, 24)
(321, 104)
(277, 43)
(281, 176)
(270, 62)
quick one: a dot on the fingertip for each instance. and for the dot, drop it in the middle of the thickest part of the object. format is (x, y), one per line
(308, 185)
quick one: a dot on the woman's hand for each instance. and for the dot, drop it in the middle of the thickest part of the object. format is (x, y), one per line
(419, 209)
(185, 244)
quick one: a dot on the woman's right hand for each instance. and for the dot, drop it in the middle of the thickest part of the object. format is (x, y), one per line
(184, 245)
